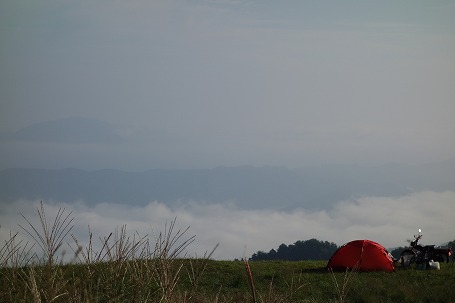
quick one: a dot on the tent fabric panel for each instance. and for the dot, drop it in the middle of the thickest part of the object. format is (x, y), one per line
(367, 255)
(376, 258)
(347, 256)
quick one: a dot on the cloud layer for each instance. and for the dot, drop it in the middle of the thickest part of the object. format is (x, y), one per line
(389, 221)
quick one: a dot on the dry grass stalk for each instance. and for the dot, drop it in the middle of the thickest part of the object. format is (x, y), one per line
(15, 254)
(342, 292)
(250, 279)
(33, 286)
(51, 237)
(123, 247)
(168, 247)
(196, 273)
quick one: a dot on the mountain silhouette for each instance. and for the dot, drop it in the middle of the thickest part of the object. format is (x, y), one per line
(247, 187)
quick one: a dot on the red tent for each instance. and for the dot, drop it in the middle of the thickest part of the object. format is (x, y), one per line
(364, 254)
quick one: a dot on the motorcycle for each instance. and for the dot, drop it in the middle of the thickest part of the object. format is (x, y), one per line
(418, 255)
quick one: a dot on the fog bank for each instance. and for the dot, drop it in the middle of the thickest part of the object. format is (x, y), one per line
(387, 220)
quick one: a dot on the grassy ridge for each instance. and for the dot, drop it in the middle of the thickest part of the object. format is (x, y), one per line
(134, 269)
(222, 281)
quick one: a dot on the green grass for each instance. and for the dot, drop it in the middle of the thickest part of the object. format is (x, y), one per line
(134, 269)
(309, 281)
(222, 281)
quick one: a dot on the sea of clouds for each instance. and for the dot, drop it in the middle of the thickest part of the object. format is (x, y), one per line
(240, 233)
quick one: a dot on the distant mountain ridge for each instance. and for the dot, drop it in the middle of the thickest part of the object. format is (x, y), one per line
(247, 187)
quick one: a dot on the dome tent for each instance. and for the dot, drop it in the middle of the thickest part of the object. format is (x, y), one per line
(366, 255)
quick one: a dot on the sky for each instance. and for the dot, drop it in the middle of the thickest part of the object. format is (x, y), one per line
(206, 83)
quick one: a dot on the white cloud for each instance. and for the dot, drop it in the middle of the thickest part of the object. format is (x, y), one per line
(389, 221)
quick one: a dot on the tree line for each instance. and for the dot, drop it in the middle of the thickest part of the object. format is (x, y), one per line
(312, 249)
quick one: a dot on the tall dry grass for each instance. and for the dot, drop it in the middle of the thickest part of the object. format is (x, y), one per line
(130, 268)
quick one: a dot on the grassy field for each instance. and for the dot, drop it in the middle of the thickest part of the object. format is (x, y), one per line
(134, 269)
(201, 280)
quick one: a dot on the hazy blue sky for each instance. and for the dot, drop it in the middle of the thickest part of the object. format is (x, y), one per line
(208, 83)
